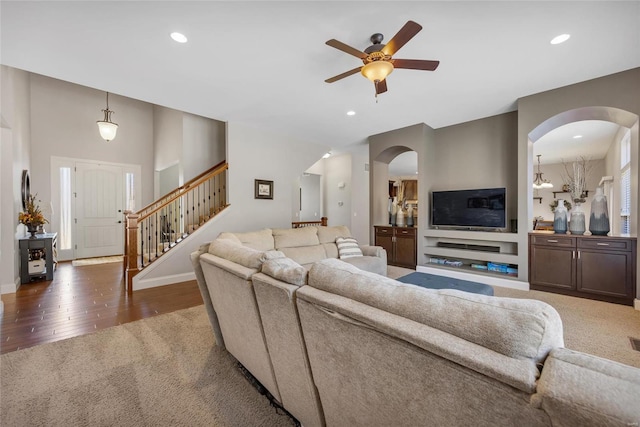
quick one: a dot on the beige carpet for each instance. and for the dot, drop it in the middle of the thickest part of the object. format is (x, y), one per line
(161, 371)
(97, 260)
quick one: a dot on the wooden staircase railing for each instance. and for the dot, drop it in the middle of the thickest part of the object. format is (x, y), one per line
(158, 227)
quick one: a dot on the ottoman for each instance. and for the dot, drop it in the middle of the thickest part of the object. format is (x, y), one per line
(432, 281)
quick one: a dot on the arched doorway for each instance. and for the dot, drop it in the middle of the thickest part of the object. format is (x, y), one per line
(622, 118)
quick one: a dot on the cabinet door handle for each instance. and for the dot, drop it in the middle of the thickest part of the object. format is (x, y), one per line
(602, 244)
(578, 254)
(552, 241)
(573, 254)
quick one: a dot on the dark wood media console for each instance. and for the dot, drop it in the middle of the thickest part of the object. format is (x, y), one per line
(596, 267)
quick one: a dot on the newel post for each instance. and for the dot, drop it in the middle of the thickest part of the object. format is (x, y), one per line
(130, 248)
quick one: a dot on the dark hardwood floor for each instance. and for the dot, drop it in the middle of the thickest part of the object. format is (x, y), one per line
(81, 300)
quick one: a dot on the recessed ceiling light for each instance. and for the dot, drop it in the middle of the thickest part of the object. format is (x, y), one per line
(560, 39)
(351, 113)
(179, 37)
(577, 136)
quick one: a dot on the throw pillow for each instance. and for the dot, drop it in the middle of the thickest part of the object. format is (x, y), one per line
(348, 247)
(285, 269)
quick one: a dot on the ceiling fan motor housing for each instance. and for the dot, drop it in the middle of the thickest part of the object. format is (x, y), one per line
(377, 45)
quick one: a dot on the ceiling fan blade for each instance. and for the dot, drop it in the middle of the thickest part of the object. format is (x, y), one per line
(343, 75)
(415, 64)
(381, 87)
(405, 34)
(346, 48)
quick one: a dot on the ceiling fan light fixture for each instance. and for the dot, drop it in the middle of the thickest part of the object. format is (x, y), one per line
(106, 127)
(377, 71)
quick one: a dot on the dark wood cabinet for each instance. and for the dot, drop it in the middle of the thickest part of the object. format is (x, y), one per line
(597, 267)
(400, 244)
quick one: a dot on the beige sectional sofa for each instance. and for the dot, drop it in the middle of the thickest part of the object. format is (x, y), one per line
(340, 346)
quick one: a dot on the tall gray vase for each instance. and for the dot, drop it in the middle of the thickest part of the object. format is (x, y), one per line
(560, 218)
(599, 218)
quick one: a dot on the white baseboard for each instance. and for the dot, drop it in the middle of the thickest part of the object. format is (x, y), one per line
(636, 304)
(162, 281)
(10, 288)
(479, 278)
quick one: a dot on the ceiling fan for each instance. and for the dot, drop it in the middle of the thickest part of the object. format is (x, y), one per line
(378, 58)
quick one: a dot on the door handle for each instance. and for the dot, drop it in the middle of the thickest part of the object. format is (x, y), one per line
(119, 222)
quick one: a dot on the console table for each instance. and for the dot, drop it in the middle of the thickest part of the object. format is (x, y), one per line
(46, 245)
(596, 267)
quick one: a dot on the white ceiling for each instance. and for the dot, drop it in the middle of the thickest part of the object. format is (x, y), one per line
(264, 63)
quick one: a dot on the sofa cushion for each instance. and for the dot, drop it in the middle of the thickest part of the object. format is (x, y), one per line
(368, 263)
(285, 269)
(261, 240)
(522, 329)
(295, 237)
(348, 247)
(330, 249)
(236, 252)
(305, 254)
(330, 234)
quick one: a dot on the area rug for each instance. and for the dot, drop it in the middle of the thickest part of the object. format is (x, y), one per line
(160, 371)
(98, 260)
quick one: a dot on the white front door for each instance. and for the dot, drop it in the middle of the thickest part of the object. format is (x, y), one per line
(99, 205)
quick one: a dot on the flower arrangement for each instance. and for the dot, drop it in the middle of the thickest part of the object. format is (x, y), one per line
(32, 216)
(575, 179)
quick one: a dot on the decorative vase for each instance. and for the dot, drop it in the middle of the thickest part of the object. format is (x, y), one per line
(400, 218)
(393, 219)
(32, 229)
(577, 221)
(560, 218)
(410, 216)
(599, 218)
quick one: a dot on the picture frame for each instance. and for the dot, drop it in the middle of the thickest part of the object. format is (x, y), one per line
(263, 189)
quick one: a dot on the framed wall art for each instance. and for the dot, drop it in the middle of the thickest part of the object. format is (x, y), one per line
(263, 189)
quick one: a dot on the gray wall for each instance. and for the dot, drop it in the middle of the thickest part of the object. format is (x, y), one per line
(478, 154)
(15, 151)
(63, 124)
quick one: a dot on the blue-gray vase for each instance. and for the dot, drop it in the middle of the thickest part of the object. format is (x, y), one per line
(599, 218)
(560, 218)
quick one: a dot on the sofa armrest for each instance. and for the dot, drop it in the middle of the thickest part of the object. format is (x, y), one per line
(241, 271)
(580, 389)
(377, 251)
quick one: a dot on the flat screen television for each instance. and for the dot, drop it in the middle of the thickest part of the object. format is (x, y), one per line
(479, 208)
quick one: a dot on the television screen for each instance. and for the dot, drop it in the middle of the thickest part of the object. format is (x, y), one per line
(483, 208)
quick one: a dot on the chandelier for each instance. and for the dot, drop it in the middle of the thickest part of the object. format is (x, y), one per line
(538, 181)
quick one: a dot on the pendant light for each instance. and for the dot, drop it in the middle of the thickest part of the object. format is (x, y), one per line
(538, 181)
(106, 127)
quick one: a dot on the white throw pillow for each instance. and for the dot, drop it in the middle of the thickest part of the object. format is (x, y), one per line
(348, 247)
